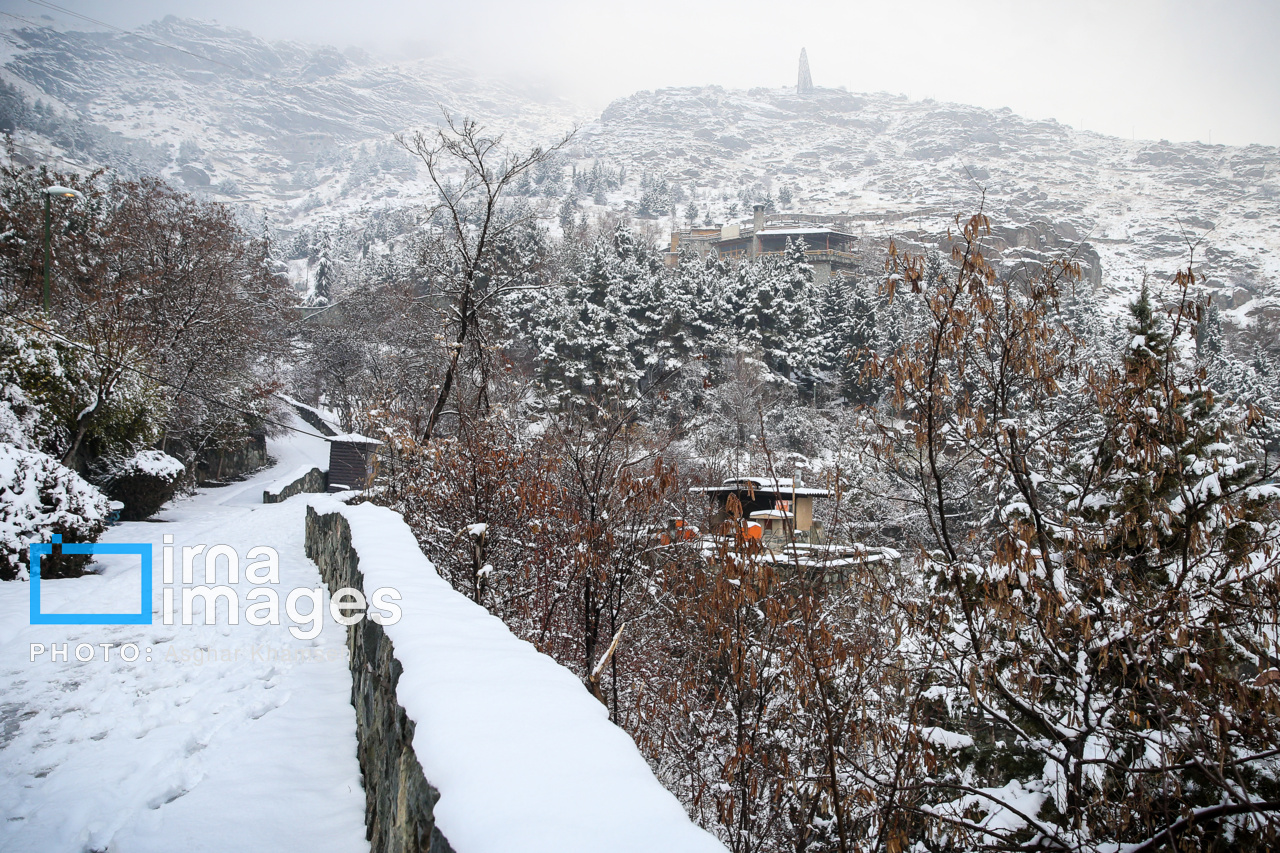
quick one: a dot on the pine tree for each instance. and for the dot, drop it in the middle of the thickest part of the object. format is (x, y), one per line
(323, 278)
(1209, 334)
(785, 307)
(1261, 362)
(1150, 339)
(271, 266)
(784, 196)
(846, 338)
(591, 349)
(568, 212)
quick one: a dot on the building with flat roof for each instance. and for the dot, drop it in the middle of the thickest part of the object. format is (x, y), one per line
(828, 245)
(777, 512)
(766, 500)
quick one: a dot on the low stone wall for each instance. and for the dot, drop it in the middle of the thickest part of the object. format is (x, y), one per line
(314, 481)
(399, 802)
(218, 466)
(313, 420)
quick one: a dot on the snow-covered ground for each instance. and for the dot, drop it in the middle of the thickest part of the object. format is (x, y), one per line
(220, 737)
(241, 737)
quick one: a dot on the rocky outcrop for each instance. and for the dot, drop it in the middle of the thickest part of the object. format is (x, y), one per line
(399, 801)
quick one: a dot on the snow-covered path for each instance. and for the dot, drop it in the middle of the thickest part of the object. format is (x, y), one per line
(220, 737)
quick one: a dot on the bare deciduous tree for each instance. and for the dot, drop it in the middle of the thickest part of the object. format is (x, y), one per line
(471, 172)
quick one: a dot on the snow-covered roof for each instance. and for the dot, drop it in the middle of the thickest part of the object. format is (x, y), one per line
(353, 438)
(791, 232)
(768, 485)
(772, 513)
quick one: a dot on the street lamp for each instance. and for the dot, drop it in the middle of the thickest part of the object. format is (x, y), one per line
(49, 193)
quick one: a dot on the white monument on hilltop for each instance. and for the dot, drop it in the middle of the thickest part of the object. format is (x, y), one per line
(804, 83)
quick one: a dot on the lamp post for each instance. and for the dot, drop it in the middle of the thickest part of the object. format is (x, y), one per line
(49, 193)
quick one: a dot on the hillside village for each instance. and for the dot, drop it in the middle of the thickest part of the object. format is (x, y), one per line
(782, 469)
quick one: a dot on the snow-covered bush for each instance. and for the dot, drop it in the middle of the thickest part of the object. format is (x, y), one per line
(143, 482)
(57, 399)
(38, 498)
(35, 386)
(19, 417)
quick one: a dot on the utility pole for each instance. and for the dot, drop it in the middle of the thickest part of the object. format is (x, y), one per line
(49, 193)
(47, 286)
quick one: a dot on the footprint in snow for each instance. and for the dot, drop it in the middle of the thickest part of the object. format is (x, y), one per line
(167, 797)
(265, 708)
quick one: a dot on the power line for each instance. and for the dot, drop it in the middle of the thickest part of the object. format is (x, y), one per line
(49, 156)
(24, 20)
(57, 8)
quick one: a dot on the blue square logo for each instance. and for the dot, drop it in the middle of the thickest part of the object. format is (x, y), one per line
(142, 617)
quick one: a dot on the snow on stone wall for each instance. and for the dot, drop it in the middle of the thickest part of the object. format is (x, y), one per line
(522, 756)
(303, 479)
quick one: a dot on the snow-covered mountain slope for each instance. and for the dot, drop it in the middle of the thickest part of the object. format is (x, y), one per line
(902, 164)
(232, 115)
(307, 133)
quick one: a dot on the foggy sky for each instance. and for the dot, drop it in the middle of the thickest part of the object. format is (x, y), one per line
(1172, 69)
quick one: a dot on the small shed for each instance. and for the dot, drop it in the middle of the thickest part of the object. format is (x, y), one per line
(765, 499)
(352, 459)
(775, 520)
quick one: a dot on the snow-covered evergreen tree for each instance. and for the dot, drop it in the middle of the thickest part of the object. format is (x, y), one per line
(568, 213)
(784, 310)
(323, 277)
(846, 339)
(272, 266)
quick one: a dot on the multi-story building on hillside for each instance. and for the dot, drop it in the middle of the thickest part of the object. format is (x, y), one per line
(828, 245)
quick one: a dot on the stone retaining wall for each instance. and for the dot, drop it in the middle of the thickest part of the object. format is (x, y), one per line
(399, 801)
(314, 481)
(219, 466)
(314, 420)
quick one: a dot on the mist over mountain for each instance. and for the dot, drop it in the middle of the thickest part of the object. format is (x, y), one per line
(262, 117)
(306, 132)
